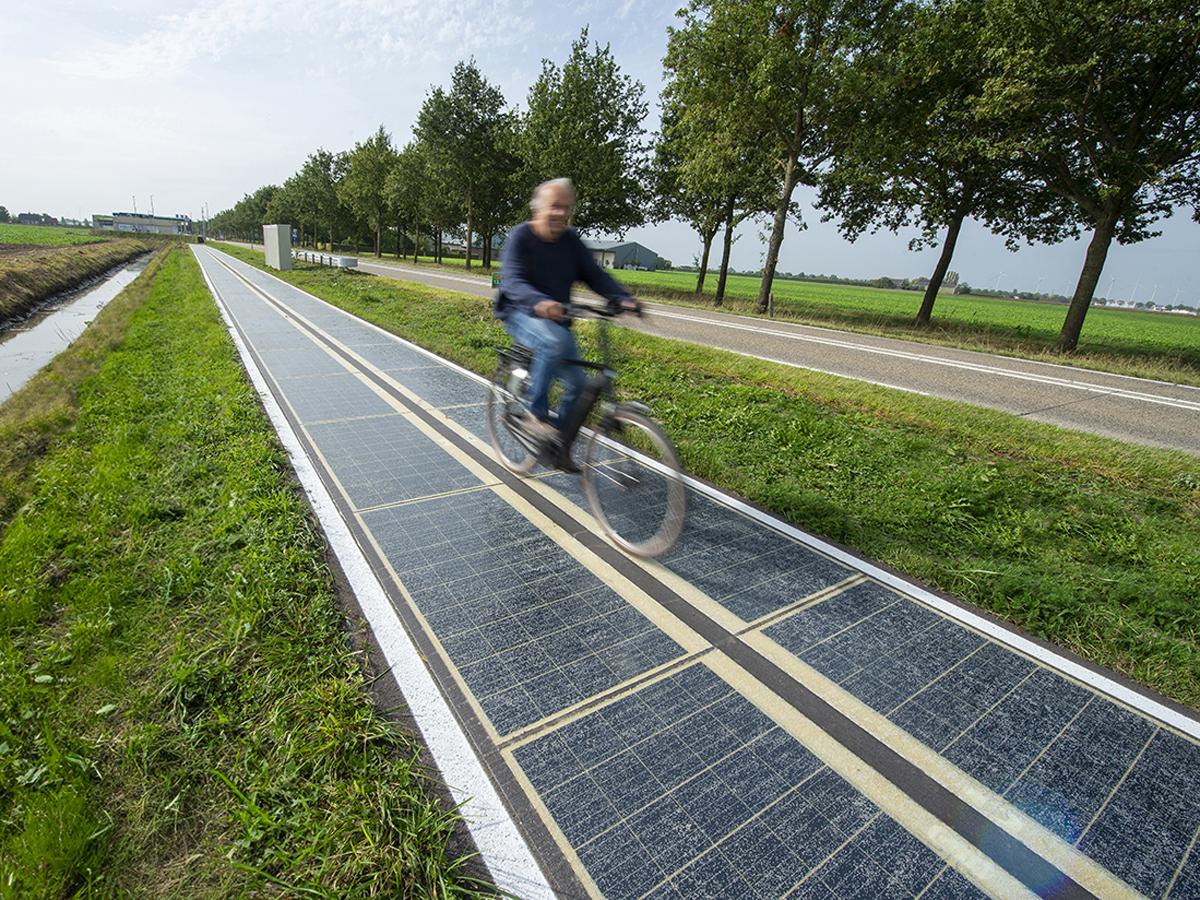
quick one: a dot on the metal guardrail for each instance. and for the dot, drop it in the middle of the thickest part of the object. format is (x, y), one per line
(326, 259)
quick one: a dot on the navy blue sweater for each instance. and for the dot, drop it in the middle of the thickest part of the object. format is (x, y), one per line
(535, 270)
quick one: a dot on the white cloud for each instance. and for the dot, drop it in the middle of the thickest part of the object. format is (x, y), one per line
(351, 36)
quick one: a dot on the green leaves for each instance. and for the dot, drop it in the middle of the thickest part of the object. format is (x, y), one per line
(584, 122)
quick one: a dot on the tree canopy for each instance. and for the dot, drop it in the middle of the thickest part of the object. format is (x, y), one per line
(1103, 97)
(768, 72)
(584, 122)
(467, 134)
(361, 189)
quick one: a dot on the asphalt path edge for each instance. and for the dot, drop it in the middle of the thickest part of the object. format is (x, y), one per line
(501, 845)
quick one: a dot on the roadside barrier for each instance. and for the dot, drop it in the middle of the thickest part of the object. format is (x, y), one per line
(326, 259)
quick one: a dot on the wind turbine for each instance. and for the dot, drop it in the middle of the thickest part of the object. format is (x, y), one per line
(1136, 285)
(1112, 279)
(1150, 302)
(998, 277)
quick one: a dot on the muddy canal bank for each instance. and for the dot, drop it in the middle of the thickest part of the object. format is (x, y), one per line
(31, 276)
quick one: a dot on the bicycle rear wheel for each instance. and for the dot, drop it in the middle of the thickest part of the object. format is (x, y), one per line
(634, 483)
(504, 411)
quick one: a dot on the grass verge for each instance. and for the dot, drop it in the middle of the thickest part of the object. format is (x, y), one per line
(181, 711)
(1084, 541)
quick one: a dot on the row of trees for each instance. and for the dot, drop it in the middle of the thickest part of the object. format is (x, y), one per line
(1040, 118)
(473, 162)
(1043, 119)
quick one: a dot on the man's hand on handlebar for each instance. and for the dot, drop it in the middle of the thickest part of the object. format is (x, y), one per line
(558, 312)
(550, 309)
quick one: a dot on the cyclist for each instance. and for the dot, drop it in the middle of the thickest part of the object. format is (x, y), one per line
(541, 260)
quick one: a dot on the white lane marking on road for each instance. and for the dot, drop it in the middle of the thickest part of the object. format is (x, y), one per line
(981, 368)
(462, 279)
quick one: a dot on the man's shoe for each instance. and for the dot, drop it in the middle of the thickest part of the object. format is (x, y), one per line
(564, 463)
(538, 427)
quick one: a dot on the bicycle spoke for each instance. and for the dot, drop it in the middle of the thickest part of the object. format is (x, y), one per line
(638, 495)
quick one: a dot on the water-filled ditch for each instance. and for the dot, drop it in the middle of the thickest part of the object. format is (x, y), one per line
(30, 344)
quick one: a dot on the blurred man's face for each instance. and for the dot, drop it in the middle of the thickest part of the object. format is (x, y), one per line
(552, 216)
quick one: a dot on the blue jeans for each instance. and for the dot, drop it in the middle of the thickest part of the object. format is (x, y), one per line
(552, 345)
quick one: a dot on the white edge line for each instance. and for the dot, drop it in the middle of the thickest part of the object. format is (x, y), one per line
(500, 843)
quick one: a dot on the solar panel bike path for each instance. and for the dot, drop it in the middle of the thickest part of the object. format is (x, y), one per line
(757, 714)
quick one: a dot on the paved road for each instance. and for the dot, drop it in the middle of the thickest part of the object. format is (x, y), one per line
(757, 714)
(1137, 410)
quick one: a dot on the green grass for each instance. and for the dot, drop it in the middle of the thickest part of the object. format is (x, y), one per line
(1154, 345)
(182, 713)
(48, 236)
(1087, 542)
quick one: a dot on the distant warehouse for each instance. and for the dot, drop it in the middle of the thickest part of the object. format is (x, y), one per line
(123, 221)
(622, 255)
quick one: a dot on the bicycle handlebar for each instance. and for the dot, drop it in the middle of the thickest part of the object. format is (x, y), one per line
(605, 312)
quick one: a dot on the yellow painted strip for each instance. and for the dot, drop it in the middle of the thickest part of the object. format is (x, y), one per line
(1085, 871)
(996, 809)
(968, 860)
(564, 845)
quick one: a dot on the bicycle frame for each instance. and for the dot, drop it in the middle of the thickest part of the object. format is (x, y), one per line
(603, 380)
(638, 496)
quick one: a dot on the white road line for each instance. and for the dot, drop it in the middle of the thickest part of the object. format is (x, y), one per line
(496, 835)
(982, 368)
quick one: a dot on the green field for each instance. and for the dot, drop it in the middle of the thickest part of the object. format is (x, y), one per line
(1168, 344)
(47, 236)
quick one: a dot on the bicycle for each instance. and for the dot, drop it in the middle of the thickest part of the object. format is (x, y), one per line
(631, 474)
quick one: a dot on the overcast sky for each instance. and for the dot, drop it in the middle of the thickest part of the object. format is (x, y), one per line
(183, 105)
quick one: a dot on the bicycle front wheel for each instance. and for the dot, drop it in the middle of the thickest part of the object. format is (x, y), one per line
(504, 410)
(634, 483)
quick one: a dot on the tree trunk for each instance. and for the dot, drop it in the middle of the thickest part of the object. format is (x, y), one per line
(791, 176)
(939, 271)
(469, 235)
(379, 238)
(725, 253)
(1093, 265)
(707, 236)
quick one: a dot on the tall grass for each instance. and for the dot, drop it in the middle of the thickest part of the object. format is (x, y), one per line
(181, 711)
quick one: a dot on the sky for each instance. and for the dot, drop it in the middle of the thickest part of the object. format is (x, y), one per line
(185, 106)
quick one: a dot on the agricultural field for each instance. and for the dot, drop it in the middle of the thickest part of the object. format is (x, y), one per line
(44, 236)
(996, 324)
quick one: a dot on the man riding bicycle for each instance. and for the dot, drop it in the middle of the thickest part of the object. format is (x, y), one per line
(541, 260)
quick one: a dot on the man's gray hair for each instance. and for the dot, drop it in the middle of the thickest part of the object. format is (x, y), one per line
(539, 192)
